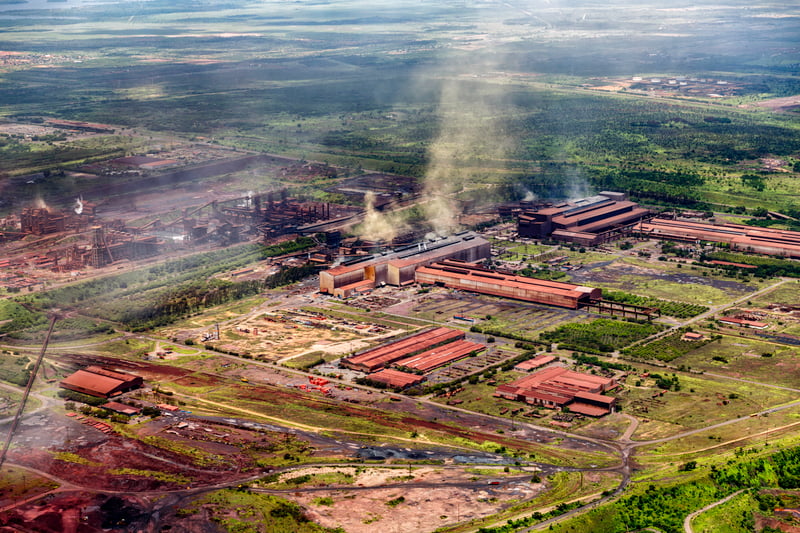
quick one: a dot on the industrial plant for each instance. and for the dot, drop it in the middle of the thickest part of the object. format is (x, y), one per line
(405, 362)
(558, 387)
(588, 221)
(398, 268)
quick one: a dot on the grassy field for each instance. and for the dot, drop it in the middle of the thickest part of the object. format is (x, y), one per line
(17, 484)
(784, 295)
(667, 281)
(259, 513)
(9, 401)
(744, 357)
(563, 486)
(702, 401)
(777, 430)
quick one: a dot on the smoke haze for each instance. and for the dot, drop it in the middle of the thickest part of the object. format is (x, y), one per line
(470, 133)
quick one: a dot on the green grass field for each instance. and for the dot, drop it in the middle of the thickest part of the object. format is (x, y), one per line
(702, 401)
(743, 357)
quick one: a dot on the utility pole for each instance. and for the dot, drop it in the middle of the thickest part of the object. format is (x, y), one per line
(27, 392)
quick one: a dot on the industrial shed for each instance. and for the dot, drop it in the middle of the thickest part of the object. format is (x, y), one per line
(741, 322)
(557, 387)
(383, 356)
(443, 355)
(398, 268)
(396, 379)
(463, 276)
(587, 221)
(765, 241)
(121, 408)
(101, 382)
(532, 364)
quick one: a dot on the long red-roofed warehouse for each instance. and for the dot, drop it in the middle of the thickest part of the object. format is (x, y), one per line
(767, 241)
(468, 277)
(443, 355)
(383, 356)
(101, 382)
(396, 379)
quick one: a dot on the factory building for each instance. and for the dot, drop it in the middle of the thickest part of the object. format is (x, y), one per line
(40, 221)
(396, 379)
(742, 323)
(101, 382)
(398, 268)
(587, 221)
(430, 360)
(558, 387)
(765, 241)
(463, 276)
(383, 356)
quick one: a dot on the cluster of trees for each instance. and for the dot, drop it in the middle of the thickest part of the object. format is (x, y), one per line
(599, 336)
(515, 525)
(667, 307)
(667, 382)
(766, 267)
(288, 247)
(666, 507)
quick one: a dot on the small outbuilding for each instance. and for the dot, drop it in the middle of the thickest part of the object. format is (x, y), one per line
(121, 408)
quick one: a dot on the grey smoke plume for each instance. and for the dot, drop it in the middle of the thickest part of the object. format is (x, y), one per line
(577, 186)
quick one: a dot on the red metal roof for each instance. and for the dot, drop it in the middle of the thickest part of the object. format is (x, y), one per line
(587, 409)
(560, 385)
(460, 272)
(93, 384)
(396, 378)
(440, 356)
(608, 400)
(762, 240)
(536, 362)
(386, 354)
(122, 376)
(121, 408)
(743, 322)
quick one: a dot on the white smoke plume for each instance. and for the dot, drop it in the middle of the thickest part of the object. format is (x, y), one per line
(378, 226)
